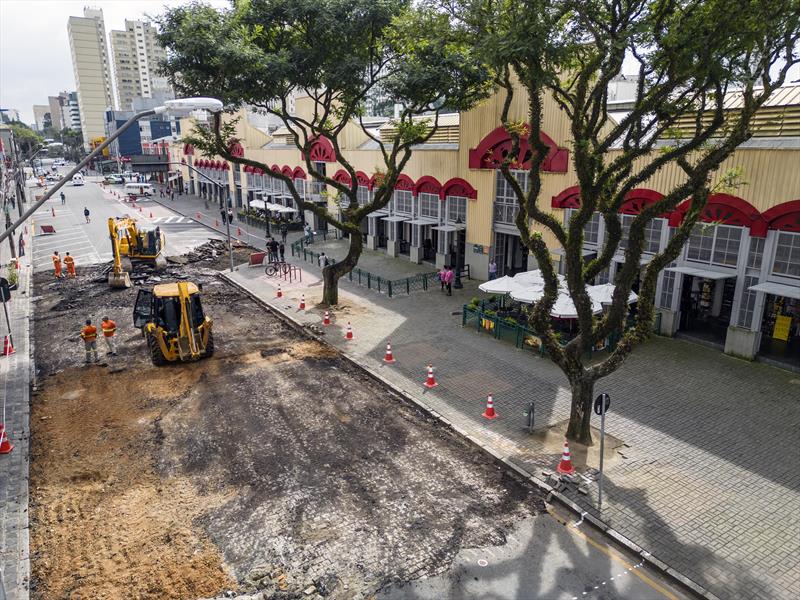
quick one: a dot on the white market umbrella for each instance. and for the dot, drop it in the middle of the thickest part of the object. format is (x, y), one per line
(501, 285)
(604, 293)
(527, 294)
(564, 307)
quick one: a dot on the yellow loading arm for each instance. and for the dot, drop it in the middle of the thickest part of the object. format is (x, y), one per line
(187, 343)
(112, 230)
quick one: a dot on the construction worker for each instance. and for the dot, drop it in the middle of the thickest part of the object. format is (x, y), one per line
(70, 264)
(109, 335)
(89, 335)
(57, 264)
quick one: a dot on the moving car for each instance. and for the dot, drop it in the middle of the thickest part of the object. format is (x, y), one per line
(139, 190)
(77, 179)
(114, 179)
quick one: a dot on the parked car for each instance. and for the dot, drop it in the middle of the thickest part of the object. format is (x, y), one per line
(52, 177)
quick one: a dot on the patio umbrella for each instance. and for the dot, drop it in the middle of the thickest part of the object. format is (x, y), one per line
(527, 293)
(501, 285)
(533, 277)
(564, 307)
(604, 293)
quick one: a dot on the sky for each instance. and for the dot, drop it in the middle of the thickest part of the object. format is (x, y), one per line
(35, 60)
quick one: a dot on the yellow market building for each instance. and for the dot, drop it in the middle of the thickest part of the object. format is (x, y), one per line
(736, 284)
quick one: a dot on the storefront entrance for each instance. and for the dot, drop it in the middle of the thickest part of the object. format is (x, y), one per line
(509, 254)
(706, 308)
(780, 330)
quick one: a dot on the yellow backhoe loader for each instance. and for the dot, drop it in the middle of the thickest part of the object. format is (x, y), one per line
(172, 321)
(129, 242)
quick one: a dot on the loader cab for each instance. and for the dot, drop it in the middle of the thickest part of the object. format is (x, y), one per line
(161, 306)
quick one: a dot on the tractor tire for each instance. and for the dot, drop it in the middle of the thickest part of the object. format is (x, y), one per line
(156, 355)
(209, 346)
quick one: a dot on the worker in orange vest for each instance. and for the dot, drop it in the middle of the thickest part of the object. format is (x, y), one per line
(70, 263)
(57, 264)
(109, 335)
(89, 335)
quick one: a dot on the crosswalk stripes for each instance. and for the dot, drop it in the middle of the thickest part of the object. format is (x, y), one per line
(173, 219)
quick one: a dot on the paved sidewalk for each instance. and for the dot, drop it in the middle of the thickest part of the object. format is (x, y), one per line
(705, 470)
(15, 371)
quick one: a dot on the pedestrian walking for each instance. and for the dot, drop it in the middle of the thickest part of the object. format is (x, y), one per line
(309, 234)
(109, 335)
(448, 278)
(70, 264)
(172, 195)
(21, 252)
(63, 198)
(89, 335)
(282, 250)
(322, 260)
(492, 270)
(161, 192)
(284, 232)
(230, 216)
(86, 215)
(442, 276)
(56, 265)
(273, 249)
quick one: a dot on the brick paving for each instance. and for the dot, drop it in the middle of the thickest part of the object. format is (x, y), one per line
(15, 391)
(708, 479)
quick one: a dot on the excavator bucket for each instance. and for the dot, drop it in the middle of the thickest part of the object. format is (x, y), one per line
(119, 280)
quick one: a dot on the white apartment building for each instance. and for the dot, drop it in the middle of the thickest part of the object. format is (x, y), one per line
(41, 116)
(136, 61)
(90, 62)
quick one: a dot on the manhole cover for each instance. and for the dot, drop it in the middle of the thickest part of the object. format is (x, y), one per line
(482, 562)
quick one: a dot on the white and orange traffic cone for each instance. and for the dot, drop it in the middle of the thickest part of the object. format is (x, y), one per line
(349, 334)
(302, 301)
(389, 358)
(5, 445)
(8, 349)
(239, 231)
(140, 209)
(489, 412)
(151, 214)
(565, 466)
(198, 216)
(326, 318)
(216, 223)
(280, 293)
(430, 382)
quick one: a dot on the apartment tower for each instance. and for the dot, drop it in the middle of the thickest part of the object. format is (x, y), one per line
(90, 61)
(136, 61)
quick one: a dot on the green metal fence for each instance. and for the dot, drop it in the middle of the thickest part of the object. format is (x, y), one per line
(392, 287)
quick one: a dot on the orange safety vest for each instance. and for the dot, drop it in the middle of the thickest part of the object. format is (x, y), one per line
(69, 261)
(56, 262)
(89, 333)
(109, 328)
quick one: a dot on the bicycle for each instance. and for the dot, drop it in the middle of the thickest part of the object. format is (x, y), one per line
(277, 268)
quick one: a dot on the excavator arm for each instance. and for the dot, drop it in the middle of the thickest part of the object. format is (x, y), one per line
(187, 341)
(117, 278)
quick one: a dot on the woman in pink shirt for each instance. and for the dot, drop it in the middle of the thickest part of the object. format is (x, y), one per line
(448, 279)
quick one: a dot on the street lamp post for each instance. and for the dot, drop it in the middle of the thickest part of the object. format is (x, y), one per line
(175, 106)
(457, 284)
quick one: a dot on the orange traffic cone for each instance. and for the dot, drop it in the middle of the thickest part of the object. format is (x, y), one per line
(140, 209)
(5, 445)
(151, 214)
(280, 293)
(198, 216)
(565, 466)
(8, 349)
(489, 412)
(326, 319)
(430, 382)
(238, 231)
(216, 223)
(389, 358)
(349, 334)
(302, 301)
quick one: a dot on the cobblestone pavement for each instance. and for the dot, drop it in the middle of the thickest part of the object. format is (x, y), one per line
(708, 478)
(14, 394)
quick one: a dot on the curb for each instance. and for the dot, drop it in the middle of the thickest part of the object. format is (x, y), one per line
(551, 492)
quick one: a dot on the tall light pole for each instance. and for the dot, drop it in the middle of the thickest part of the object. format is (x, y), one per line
(457, 284)
(181, 105)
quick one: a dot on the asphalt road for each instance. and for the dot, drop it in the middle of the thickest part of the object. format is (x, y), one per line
(88, 242)
(547, 557)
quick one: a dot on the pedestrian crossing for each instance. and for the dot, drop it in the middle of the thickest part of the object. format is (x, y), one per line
(174, 219)
(68, 238)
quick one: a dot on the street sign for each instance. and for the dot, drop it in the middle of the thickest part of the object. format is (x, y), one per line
(599, 409)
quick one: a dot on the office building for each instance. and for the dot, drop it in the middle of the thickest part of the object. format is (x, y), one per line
(41, 116)
(136, 62)
(90, 62)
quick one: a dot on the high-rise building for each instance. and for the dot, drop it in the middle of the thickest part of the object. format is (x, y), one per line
(73, 112)
(137, 55)
(41, 116)
(90, 61)
(58, 106)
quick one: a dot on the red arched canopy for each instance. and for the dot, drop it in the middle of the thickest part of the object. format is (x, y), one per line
(458, 187)
(427, 185)
(404, 183)
(635, 201)
(342, 176)
(726, 209)
(321, 151)
(363, 179)
(569, 198)
(287, 171)
(225, 166)
(275, 169)
(248, 169)
(495, 147)
(188, 150)
(784, 217)
(236, 149)
(298, 173)
(258, 171)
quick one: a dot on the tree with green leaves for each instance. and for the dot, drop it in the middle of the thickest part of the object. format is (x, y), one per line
(27, 139)
(337, 53)
(690, 56)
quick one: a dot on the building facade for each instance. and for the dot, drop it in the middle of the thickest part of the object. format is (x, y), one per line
(136, 59)
(736, 285)
(41, 116)
(90, 62)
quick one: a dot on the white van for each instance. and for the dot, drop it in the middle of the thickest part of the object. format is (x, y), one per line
(139, 190)
(77, 179)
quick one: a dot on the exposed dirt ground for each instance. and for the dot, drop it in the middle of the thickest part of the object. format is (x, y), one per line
(273, 466)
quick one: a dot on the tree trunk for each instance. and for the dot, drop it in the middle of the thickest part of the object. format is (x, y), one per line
(332, 273)
(580, 418)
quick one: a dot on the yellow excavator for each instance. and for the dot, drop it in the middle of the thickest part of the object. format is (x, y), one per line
(130, 242)
(172, 321)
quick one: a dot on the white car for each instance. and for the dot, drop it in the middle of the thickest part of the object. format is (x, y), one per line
(77, 179)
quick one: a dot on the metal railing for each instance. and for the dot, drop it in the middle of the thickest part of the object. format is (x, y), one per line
(383, 285)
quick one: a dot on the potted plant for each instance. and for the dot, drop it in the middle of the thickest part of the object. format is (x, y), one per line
(12, 275)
